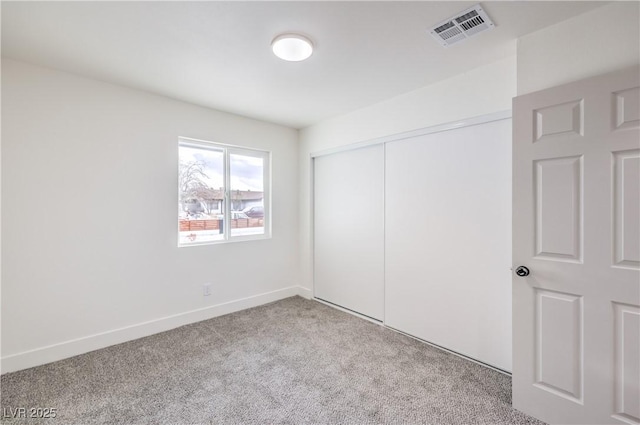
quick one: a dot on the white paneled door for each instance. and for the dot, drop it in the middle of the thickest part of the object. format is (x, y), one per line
(349, 230)
(576, 251)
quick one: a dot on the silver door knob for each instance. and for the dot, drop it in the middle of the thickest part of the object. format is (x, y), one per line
(522, 271)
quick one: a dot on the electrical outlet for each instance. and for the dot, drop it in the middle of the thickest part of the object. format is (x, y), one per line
(206, 289)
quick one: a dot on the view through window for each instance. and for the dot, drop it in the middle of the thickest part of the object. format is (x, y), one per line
(222, 193)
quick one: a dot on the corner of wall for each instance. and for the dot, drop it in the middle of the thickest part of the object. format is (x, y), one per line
(572, 50)
(305, 292)
(480, 91)
(126, 257)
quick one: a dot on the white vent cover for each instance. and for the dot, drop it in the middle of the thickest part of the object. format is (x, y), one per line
(462, 26)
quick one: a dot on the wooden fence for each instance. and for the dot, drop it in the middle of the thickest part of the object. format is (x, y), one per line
(214, 224)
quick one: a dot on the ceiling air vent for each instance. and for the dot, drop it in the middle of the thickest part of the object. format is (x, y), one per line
(462, 26)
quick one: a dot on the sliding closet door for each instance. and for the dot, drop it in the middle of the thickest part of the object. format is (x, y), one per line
(448, 240)
(349, 230)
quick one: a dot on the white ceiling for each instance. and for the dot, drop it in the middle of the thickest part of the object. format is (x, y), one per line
(217, 54)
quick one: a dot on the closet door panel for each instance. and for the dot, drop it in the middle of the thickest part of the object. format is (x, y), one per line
(448, 240)
(349, 230)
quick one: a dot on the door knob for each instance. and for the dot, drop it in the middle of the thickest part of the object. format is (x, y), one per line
(522, 271)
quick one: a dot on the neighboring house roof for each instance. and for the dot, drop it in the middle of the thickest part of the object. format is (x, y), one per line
(236, 195)
(246, 195)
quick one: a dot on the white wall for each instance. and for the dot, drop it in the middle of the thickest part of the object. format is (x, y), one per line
(89, 192)
(480, 91)
(599, 41)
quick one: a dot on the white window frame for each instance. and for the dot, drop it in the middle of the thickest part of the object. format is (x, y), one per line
(228, 150)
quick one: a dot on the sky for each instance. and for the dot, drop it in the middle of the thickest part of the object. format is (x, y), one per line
(246, 171)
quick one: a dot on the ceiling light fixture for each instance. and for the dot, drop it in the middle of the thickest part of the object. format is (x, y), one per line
(292, 47)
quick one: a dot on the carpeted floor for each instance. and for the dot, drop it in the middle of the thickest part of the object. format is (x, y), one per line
(294, 361)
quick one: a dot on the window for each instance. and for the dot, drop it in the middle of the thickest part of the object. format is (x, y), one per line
(223, 193)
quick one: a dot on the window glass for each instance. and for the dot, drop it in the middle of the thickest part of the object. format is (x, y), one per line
(222, 193)
(247, 194)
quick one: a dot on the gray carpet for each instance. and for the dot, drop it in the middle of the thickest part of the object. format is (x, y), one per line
(294, 361)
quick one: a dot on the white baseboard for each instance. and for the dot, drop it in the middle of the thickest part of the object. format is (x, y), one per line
(305, 292)
(63, 350)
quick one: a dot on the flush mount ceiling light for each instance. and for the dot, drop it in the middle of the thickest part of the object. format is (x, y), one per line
(292, 47)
